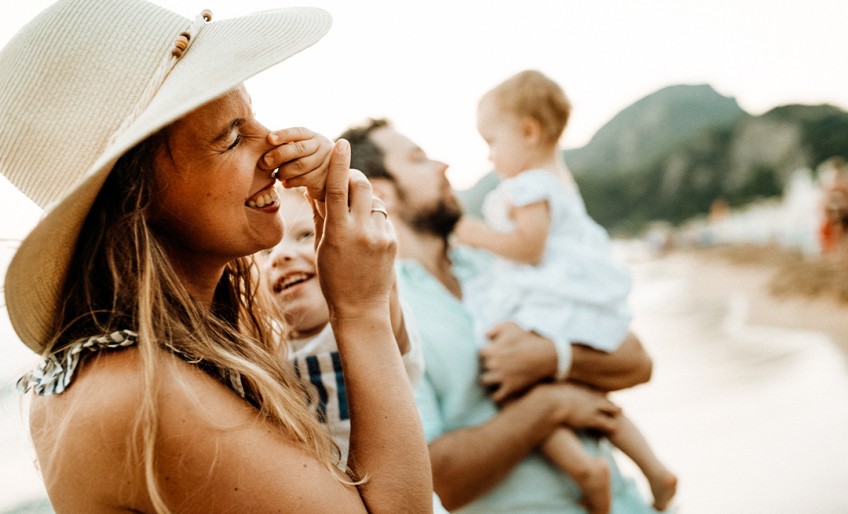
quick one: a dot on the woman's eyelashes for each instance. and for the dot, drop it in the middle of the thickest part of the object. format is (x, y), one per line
(243, 133)
(235, 142)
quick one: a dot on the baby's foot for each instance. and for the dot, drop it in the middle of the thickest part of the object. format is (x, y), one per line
(663, 487)
(595, 484)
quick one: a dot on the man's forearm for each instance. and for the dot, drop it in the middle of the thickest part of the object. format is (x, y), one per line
(468, 462)
(627, 366)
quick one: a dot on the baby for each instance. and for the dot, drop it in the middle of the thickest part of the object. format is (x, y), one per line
(554, 271)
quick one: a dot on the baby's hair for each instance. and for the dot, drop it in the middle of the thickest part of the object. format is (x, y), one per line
(531, 93)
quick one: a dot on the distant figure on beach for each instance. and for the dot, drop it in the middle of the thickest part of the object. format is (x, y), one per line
(833, 229)
(289, 272)
(162, 387)
(554, 271)
(484, 458)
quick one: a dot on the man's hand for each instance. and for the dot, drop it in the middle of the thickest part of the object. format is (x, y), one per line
(627, 366)
(514, 360)
(579, 406)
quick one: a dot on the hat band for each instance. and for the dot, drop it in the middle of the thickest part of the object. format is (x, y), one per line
(181, 45)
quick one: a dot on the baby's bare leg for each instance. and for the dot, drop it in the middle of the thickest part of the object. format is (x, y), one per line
(629, 439)
(592, 474)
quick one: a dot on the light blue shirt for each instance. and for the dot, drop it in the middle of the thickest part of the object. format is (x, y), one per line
(450, 398)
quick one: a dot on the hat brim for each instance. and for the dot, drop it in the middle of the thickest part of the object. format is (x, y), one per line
(228, 52)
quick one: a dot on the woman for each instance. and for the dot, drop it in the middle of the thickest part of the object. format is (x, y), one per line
(161, 388)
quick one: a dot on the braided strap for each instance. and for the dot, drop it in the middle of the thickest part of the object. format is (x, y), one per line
(55, 371)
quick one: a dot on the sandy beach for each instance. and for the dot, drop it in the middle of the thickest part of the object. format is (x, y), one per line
(747, 401)
(784, 289)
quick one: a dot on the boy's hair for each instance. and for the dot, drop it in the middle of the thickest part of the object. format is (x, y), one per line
(532, 94)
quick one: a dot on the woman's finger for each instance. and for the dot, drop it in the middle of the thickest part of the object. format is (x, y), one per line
(378, 206)
(338, 178)
(360, 197)
(318, 216)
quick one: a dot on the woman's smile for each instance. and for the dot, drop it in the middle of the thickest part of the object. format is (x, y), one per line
(266, 199)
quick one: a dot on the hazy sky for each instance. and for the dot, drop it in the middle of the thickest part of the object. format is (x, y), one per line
(424, 64)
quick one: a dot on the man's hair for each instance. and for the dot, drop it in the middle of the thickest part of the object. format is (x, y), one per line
(532, 94)
(369, 158)
(365, 155)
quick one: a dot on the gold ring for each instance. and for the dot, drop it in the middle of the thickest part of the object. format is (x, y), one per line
(381, 210)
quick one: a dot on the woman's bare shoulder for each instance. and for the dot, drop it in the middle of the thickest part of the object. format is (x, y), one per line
(109, 389)
(103, 389)
(214, 451)
(82, 436)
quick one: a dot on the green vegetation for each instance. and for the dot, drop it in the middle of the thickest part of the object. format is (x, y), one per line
(692, 147)
(671, 155)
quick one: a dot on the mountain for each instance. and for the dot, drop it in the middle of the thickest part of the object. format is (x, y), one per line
(670, 155)
(652, 127)
(748, 159)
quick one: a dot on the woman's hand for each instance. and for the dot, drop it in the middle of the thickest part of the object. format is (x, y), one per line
(355, 255)
(398, 324)
(301, 158)
(355, 245)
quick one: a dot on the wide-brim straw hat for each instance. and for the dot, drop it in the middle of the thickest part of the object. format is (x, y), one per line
(87, 80)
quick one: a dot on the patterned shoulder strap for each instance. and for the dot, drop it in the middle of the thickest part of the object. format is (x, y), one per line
(55, 372)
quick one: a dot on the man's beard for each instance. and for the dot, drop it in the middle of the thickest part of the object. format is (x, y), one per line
(439, 219)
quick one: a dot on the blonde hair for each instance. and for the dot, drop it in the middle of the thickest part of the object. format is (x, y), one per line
(235, 342)
(532, 94)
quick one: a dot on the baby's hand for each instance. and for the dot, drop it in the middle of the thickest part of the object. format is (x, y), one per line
(301, 158)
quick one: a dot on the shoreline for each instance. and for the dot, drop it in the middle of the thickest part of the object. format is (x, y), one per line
(785, 289)
(742, 372)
